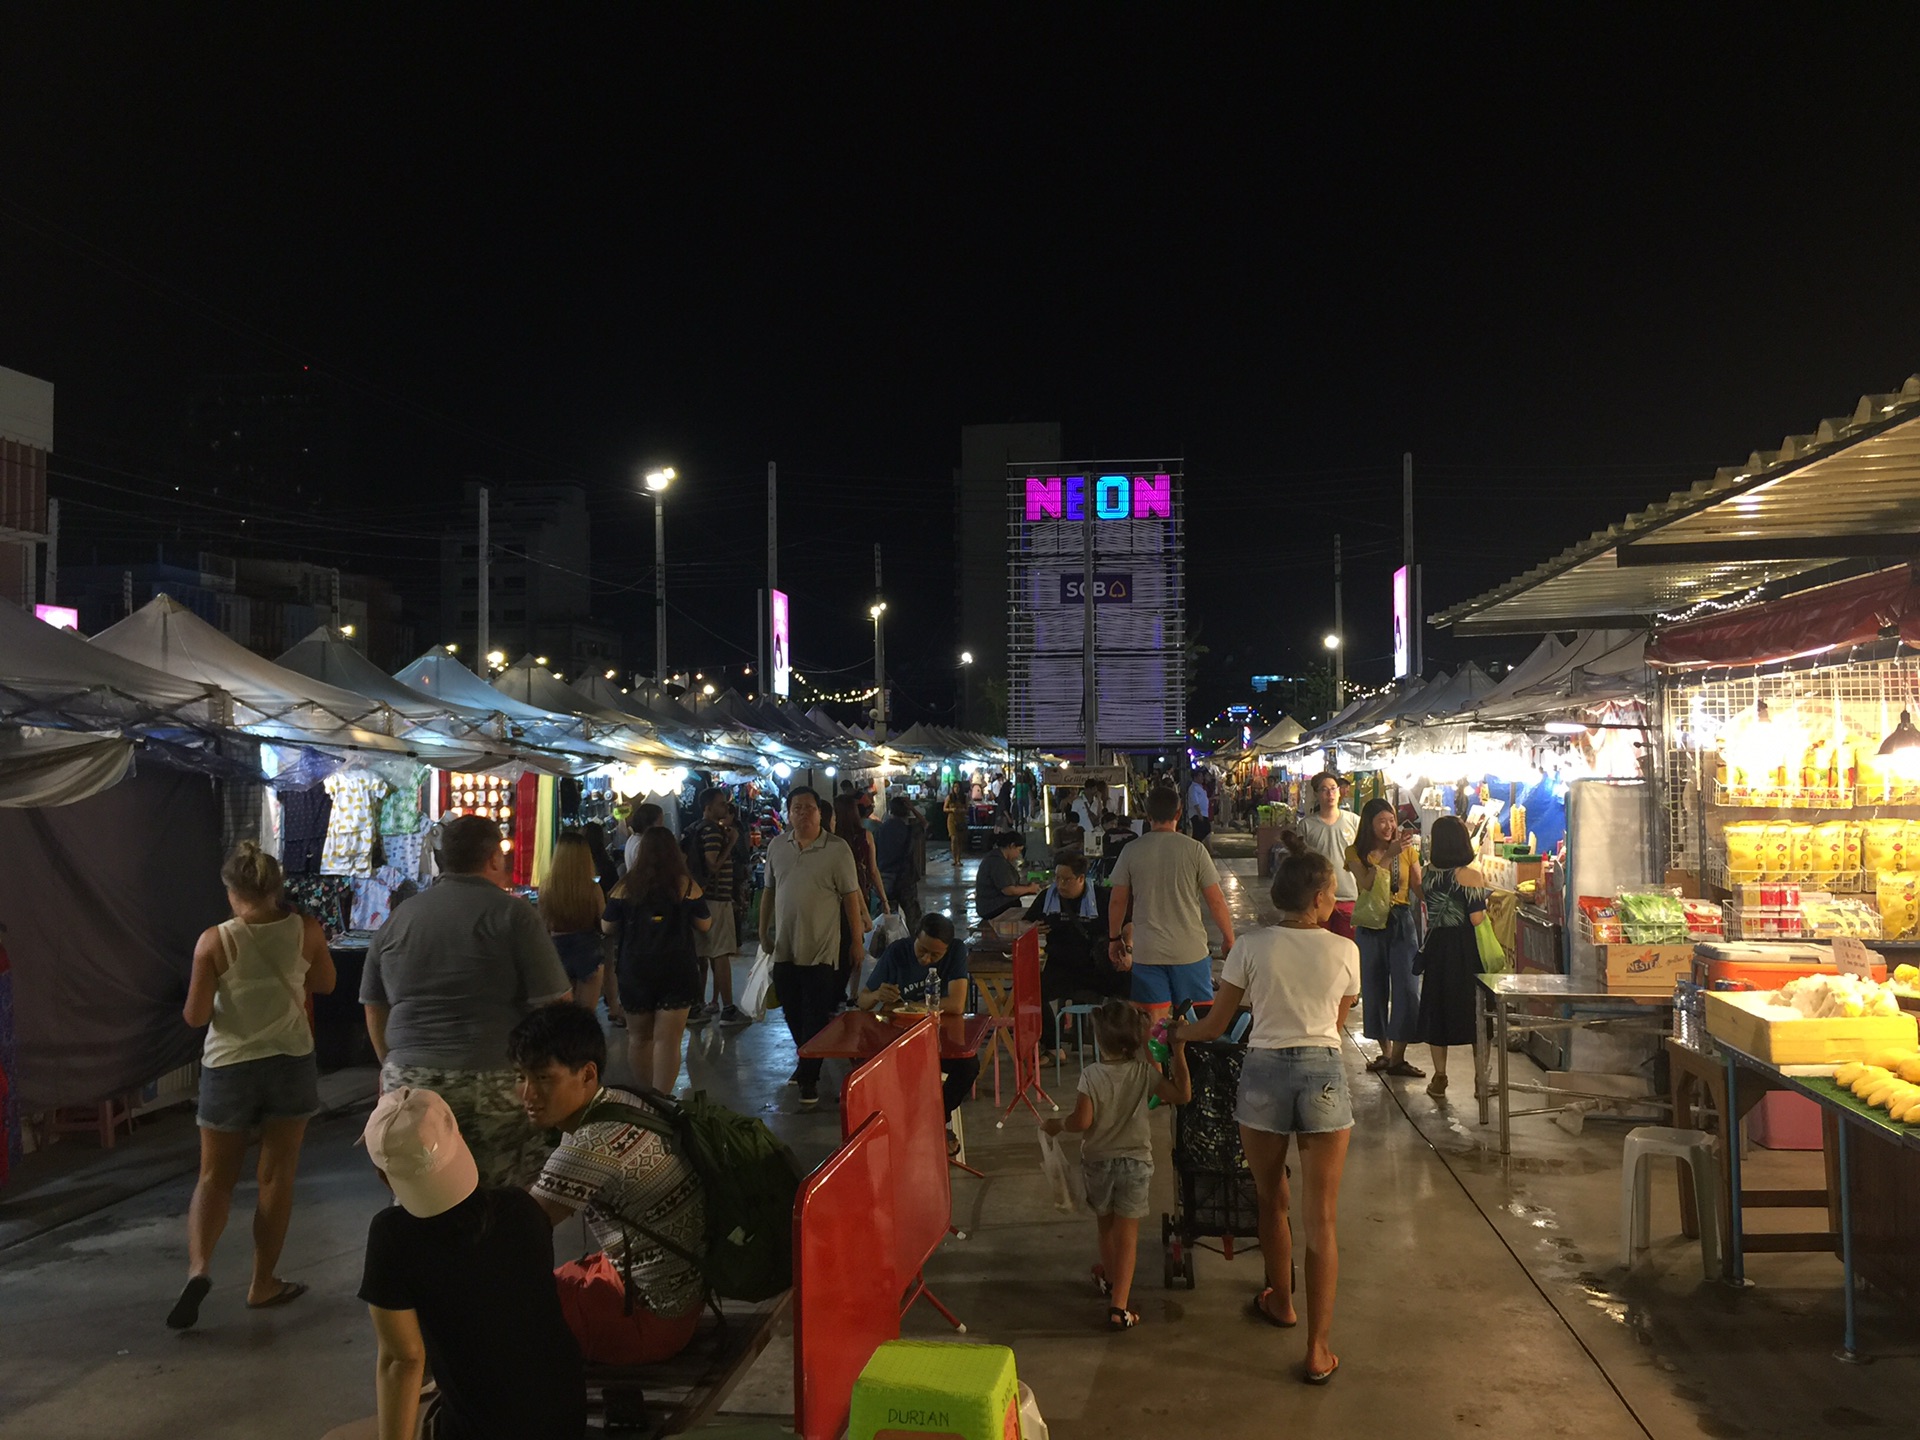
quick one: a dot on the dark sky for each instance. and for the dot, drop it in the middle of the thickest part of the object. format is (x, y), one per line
(1569, 268)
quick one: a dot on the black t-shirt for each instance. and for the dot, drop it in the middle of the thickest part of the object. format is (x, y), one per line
(480, 1278)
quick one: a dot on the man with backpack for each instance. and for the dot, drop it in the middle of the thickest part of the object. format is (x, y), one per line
(686, 1199)
(710, 845)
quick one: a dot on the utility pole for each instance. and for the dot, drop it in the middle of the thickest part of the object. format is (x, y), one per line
(53, 552)
(773, 574)
(1339, 634)
(879, 655)
(1415, 620)
(483, 596)
(1089, 671)
(660, 588)
(333, 598)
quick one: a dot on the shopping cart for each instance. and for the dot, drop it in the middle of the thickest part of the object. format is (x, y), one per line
(1217, 1196)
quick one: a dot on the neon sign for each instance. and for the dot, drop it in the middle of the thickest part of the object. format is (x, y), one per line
(1115, 497)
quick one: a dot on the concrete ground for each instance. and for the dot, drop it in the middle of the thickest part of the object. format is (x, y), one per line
(1478, 1295)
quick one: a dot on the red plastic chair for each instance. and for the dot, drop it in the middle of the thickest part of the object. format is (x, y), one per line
(1029, 1011)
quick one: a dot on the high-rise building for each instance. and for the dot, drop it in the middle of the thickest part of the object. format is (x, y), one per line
(26, 438)
(980, 557)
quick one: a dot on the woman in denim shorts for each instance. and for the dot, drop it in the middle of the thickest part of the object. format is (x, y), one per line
(1300, 980)
(251, 979)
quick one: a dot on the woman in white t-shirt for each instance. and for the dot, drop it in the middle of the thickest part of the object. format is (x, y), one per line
(1299, 980)
(1328, 830)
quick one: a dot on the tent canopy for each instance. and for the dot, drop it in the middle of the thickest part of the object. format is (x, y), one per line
(268, 700)
(55, 677)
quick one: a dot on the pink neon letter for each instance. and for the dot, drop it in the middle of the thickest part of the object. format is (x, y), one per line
(1152, 497)
(1043, 499)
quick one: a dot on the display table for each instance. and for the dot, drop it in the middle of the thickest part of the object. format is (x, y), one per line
(1508, 1000)
(1694, 1075)
(861, 1035)
(1850, 1114)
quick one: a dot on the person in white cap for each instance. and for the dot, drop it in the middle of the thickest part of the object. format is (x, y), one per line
(462, 1275)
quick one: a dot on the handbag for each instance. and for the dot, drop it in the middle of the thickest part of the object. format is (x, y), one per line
(1493, 960)
(593, 1299)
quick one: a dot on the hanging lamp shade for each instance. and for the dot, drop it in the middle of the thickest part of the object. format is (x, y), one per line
(1905, 739)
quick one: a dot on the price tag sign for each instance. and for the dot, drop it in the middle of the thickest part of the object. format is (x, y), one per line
(1852, 957)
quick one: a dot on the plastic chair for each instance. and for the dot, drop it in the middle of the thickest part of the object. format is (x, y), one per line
(1692, 1148)
(1085, 1012)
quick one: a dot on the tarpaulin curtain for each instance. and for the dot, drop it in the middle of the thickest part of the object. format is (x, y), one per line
(103, 900)
(1851, 612)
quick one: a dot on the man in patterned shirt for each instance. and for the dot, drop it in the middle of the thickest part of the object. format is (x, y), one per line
(643, 1202)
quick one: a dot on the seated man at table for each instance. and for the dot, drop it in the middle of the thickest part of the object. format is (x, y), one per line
(927, 968)
(999, 884)
(1080, 968)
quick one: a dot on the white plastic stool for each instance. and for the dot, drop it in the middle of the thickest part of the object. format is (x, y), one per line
(1692, 1148)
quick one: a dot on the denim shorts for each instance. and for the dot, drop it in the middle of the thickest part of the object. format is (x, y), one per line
(1170, 984)
(1117, 1186)
(244, 1096)
(1298, 1091)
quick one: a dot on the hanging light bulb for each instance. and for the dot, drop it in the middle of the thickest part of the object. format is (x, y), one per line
(1901, 749)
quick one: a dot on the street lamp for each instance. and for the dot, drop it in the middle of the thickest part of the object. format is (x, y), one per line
(1332, 642)
(657, 481)
(876, 610)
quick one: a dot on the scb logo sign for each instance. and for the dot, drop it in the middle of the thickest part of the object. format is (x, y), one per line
(1107, 590)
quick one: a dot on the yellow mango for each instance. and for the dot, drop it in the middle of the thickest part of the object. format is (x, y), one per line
(1892, 1057)
(1910, 1070)
(1847, 1074)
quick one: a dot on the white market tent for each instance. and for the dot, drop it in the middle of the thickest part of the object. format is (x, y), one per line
(268, 701)
(55, 677)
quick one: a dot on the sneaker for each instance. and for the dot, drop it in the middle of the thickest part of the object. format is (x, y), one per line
(734, 1015)
(809, 1096)
(699, 1014)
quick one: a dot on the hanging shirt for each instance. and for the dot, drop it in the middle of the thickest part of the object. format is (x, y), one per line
(350, 831)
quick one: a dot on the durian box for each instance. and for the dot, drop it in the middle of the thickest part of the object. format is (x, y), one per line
(1749, 1021)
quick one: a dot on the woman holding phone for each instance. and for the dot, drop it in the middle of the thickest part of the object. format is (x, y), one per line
(1386, 873)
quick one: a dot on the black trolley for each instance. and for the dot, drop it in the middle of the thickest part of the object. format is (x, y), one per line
(1217, 1196)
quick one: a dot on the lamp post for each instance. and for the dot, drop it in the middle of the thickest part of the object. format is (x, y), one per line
(876, 610)
(657, 481)
(965, 715)
(1332, 642)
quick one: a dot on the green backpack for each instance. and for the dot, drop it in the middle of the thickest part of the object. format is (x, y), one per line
(748, 1181)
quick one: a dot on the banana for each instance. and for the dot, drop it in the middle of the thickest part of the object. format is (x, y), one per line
(1847, 1074)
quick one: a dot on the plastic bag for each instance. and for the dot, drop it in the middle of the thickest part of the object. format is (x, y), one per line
(756, 996)
(1493, 960)
(887, 929)
(1032, 1427)
(1063, 1176)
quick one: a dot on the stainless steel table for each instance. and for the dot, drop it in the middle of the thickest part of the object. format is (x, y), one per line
(1500, 994)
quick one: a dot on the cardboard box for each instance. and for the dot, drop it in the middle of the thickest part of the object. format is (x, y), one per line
(1644, 969)
(1748, 1021)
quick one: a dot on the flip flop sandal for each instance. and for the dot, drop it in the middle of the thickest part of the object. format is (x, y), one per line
(1321, 1377)
(1260, 1310)
(1118, 1319)
(186, 1310)
(1100, 1279)
(1378, 1064)
(1403, 1067)
(290, 1291)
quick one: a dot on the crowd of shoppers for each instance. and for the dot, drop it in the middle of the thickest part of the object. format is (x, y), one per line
(496, 1121)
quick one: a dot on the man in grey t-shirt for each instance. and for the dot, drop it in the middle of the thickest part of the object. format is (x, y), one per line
(447, 978)
(812, 890)
(1170, 884)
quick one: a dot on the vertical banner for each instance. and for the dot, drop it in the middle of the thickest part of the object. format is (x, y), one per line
(1402, 625)
(782, 661)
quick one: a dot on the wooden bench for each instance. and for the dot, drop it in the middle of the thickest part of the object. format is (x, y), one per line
(685, 1392)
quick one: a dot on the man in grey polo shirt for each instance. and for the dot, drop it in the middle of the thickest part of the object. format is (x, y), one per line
(811, 884)
(447, 978)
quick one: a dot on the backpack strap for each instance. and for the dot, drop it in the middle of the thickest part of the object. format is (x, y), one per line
(601, 1111)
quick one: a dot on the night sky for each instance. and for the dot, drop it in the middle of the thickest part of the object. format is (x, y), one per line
(1570, 269)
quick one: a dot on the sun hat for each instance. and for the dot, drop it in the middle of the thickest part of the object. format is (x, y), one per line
(414, 1139)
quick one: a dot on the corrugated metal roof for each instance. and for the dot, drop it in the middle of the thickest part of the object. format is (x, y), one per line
(1857, 474)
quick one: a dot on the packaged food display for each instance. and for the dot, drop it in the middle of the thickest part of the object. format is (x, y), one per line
(1899, 897)
(1600, 919)
(1826, 916)
(1885, 847)
(1652, 917)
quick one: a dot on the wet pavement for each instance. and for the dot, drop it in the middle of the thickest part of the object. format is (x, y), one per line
(1478, 1295)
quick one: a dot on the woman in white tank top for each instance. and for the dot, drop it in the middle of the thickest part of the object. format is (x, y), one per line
(252, 976)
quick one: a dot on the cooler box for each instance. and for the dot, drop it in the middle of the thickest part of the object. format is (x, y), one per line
(1783, 1121)
(1766, 967)
(936, 1390)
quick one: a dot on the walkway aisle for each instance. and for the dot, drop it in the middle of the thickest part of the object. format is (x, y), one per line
(1440, 1331)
